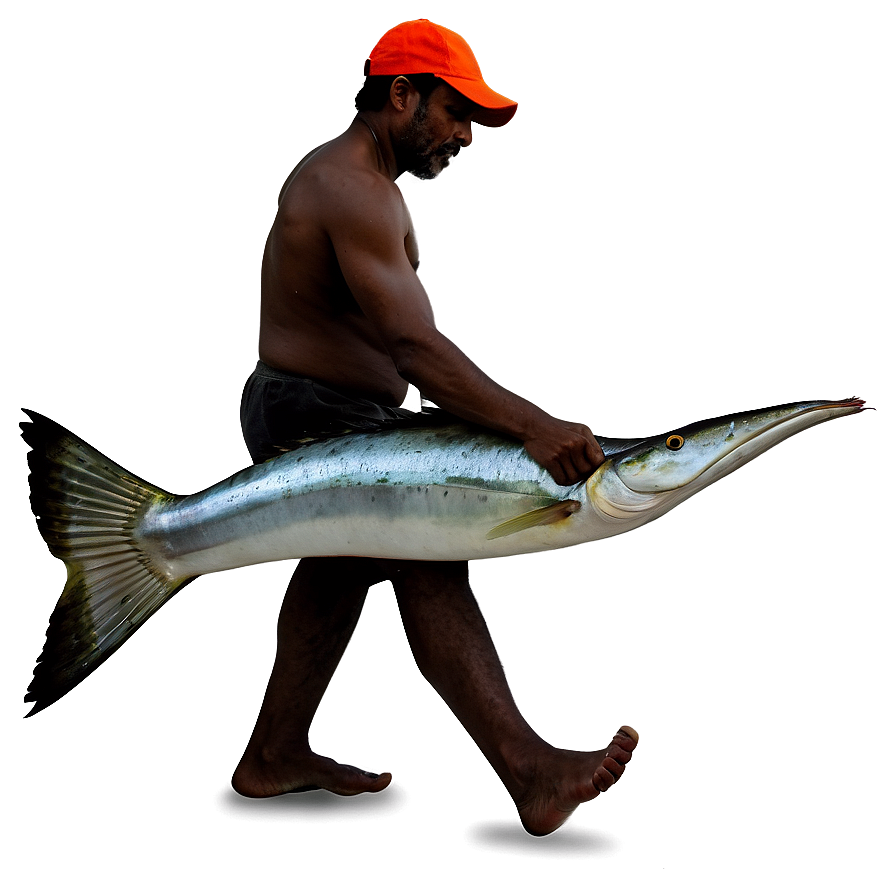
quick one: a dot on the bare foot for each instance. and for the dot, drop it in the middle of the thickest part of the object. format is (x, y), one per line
(301, 773)
(556, 782)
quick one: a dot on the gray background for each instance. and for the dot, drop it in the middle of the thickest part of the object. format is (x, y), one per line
(691, 214)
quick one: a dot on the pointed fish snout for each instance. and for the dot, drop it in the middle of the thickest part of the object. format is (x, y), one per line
(858, 403)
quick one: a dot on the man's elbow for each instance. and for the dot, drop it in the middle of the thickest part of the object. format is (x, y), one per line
(412, 355)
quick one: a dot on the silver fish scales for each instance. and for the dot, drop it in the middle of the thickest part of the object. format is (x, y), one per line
(429, 491)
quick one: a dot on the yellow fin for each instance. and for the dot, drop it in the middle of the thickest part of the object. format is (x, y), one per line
(542, 516)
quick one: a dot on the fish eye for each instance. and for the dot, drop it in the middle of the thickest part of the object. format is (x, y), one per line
(673, 443)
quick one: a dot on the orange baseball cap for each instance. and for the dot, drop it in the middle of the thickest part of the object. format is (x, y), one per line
(421, 46)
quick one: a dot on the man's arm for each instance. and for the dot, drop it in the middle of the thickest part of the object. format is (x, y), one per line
(368, 224)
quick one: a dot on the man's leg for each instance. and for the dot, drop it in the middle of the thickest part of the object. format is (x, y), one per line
(320, 611)
(455, 653)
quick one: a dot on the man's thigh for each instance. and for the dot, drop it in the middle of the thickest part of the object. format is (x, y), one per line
(342, 572)
(428, 574)
(371, 571)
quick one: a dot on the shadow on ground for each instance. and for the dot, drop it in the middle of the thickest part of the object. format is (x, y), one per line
(316, 802)
(511, 836)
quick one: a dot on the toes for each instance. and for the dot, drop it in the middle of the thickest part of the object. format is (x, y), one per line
(607, 774)
(619, 752)
(614, 768)
(381, 783)
(348, 780)
(616, 752)
(626, 737)
(623, 744)
(603, 779)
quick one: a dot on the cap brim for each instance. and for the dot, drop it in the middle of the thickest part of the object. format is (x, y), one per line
(494, 110)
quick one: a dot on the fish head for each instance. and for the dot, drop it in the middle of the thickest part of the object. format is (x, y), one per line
(646, 479)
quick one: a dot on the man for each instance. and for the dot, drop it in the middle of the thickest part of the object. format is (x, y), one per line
(345, 326)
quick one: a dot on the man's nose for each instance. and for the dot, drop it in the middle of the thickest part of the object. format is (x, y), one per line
(464, 134)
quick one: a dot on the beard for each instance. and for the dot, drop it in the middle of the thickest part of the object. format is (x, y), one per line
(420, 156)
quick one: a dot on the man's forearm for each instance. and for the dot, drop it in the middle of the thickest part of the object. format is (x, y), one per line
(442, 372)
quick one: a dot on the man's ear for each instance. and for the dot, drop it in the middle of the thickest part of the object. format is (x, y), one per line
(402, 93)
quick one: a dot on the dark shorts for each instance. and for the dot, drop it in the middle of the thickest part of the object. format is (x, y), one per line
(280, 409)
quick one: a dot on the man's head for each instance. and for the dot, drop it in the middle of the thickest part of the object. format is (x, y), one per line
(440, 126)
(421, 47)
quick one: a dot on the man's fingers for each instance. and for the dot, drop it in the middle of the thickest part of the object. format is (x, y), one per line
(586, 457)
(572, 457)
(594, 454)
(560, 473)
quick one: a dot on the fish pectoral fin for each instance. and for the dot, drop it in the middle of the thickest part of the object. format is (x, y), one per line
(542, 516)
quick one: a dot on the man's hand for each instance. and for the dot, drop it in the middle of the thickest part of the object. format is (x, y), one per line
(568, 451)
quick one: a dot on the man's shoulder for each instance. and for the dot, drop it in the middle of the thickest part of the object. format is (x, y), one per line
(334, 177)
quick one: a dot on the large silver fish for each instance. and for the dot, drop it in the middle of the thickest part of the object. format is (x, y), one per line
(427, 491)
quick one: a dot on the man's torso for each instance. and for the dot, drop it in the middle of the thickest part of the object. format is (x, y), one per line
(311, 324)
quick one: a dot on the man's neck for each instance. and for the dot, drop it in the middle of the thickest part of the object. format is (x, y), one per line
(378, 134)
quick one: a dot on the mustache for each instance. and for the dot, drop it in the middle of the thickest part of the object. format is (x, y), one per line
(449, 149)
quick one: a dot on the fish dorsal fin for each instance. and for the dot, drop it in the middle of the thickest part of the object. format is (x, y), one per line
(541, 516)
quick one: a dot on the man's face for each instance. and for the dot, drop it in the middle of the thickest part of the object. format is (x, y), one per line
(440, 126)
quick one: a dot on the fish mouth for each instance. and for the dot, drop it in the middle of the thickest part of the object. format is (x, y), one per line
(858, 404)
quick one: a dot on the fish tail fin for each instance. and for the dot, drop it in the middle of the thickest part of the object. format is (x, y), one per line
(87, 508)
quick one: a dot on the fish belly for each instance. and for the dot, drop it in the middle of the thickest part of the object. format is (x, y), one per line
(414, 496)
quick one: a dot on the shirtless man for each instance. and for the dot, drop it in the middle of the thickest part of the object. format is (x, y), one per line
(345, 326)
